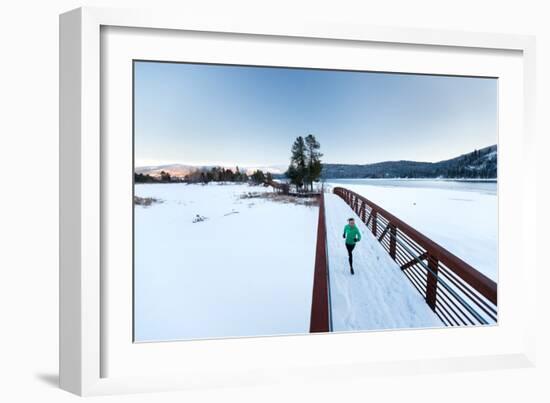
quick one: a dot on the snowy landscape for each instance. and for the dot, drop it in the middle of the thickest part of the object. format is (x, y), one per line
(229, 260)
(244, 268)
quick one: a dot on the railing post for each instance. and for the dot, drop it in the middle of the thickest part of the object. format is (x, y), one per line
(374, 222)
(393, 240)
(431, 282)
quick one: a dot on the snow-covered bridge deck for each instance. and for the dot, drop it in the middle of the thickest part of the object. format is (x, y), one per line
(378, 296)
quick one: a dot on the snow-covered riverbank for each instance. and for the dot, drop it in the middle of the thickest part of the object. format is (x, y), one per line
(243, 267)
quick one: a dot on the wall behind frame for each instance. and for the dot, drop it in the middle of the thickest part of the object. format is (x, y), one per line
(29, 207)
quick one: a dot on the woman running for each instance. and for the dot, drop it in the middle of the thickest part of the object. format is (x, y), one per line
(352, 236)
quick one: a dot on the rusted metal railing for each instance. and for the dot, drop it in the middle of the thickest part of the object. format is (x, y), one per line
(459, 294)
(320, 302)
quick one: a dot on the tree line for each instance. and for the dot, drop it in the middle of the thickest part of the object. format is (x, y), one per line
(146, 178)
(214, 174)
(305, 168)
(477, 164)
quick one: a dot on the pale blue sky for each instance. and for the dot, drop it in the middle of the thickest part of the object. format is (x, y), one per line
(227, 115)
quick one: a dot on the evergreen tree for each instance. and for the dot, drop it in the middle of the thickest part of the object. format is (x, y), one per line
(313, 160)
(238, 175)
(297, 169)
(258, 177)
(165, 176)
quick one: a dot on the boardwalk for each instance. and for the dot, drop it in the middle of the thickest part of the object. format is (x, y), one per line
(378, 296)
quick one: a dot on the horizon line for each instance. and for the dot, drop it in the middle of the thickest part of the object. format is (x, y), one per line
(277, 165)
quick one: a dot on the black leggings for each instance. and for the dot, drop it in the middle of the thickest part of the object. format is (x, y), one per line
(350, 257)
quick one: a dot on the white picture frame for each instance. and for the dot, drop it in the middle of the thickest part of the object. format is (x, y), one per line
(83, 351)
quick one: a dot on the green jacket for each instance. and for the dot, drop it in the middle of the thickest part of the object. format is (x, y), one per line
(351, 234)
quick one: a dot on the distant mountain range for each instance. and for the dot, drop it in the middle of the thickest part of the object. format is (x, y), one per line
(477, 164)
(176, 170)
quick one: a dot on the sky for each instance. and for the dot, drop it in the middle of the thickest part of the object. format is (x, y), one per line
(197, 114)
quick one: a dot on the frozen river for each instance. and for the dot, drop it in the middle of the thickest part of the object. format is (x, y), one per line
(462, 216)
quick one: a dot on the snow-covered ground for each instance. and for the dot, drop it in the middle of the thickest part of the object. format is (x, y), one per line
(460, 216)
(378, 296)
(246, 270)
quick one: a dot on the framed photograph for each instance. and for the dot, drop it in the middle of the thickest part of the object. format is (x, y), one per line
(247, 202)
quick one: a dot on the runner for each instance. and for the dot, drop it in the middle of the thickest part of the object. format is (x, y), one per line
(352, 236)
